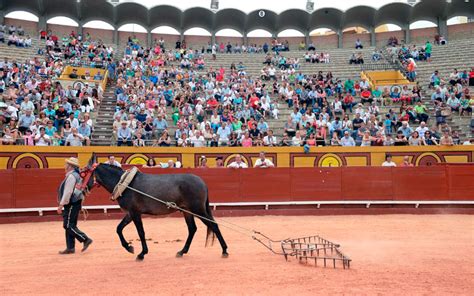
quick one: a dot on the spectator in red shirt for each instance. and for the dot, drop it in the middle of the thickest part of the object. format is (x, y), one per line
(253, 101)
(43, 34)
(366, 96)
(348, 102)
(212, 103)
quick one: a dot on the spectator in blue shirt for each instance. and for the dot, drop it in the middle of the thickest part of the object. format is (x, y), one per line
(159, 125)
(85, 130)
(124, 135)
(141, 116)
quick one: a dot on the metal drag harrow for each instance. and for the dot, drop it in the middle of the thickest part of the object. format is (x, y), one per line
(307, 250)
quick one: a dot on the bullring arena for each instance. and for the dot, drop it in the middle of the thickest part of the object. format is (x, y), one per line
(319, 147)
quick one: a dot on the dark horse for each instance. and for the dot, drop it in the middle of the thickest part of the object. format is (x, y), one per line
(187, 191)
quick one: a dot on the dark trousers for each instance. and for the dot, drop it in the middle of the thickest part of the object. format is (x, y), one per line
(70, 216)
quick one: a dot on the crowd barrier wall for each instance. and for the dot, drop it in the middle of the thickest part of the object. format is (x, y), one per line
(17, 157)
(38, 188)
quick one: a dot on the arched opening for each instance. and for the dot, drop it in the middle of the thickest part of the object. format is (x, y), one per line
(197, 31)
(99, 30)
(98, 25)
(422, 25)
(22, 15)
(135, 32)
(165, 30)
(168, 35)
(355, 30)
(197, 37)
(323, 38)
(27, 20)
(290, 33)
(62, 26)
(259, 33)
(62, 21)
(228, 33)
(322, 32)
(425, 30)
(459, 28)
(457, 20)
(134, 28)
(353, 35)
(387, 28)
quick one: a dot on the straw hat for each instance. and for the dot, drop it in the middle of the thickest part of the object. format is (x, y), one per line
(72, 161)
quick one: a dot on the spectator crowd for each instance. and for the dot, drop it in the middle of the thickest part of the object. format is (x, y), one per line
(170, 97)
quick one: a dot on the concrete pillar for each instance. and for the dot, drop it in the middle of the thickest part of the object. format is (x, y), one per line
(42, 23)
(149, 39)
(443, 27)
(274, 35)
(213, 38)
(2, 17)
(181, 36)
(116, 37)
(245, 38)
(80, 30)
(339, 39)
(373, 37)
(307, 39)
(406, 29)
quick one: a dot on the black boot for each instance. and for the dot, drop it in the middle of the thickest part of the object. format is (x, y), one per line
(67, 251)
(87, 243)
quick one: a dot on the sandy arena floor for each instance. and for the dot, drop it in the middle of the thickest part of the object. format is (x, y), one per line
(392, 254)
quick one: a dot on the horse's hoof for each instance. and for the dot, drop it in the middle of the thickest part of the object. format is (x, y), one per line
(140, 257)
(225, 255)
(179, 254)
(130, 249)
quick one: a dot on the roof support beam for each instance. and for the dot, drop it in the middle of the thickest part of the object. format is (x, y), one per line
(443, 27)
(339, 38)
(406, 29)
(373, 39)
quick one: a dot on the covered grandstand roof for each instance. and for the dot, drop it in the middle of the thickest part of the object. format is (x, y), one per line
(398, 13)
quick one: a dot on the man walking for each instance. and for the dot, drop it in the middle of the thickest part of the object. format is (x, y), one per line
(71, 198)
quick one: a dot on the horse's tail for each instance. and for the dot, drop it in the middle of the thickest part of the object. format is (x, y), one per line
(210, 234)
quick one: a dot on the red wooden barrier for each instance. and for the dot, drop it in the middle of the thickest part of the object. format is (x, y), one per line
(37, 188)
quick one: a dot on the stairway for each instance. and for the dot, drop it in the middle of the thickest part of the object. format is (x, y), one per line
(104, 119)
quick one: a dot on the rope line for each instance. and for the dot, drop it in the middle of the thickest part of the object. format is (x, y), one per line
(230, 225)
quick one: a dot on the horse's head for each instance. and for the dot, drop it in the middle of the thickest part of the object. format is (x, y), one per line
(100, 174)
(88, 174)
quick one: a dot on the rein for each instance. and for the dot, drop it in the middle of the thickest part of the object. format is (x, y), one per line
(86, 174)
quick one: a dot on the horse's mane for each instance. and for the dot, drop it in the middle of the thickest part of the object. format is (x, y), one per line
(113, 167)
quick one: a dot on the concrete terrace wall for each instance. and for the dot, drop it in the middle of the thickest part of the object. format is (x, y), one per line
(170, 39)
(29, 27)
(232, 40)
(461, 31)
(382, 38)
(123, 37)
(107, 36)
(349, 39)
(420, 36)
(259, 40)
(294, 41)
(329, 41)
(60, 30)
(197, 42)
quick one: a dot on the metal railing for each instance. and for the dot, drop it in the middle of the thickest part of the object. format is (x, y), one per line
(377, 67)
